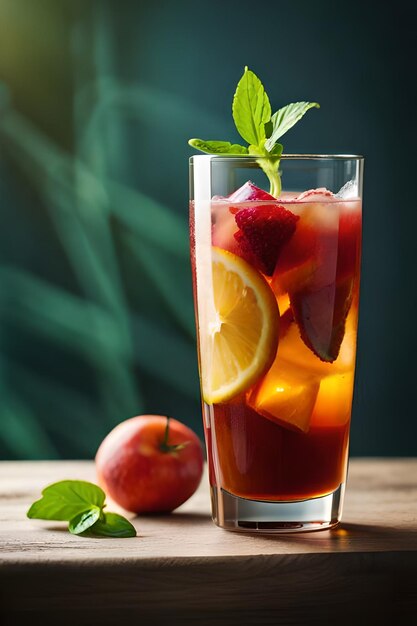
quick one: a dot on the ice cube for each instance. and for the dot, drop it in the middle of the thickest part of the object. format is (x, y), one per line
(249, 192)
(321, 194)
(348, 191)
(288, 196)
(224, 227)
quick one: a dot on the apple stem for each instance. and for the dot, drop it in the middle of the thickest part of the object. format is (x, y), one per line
(166, 447)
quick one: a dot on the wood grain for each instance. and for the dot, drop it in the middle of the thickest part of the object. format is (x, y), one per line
(182, 569)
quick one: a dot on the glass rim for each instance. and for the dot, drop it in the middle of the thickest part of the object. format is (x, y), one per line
(289, 157)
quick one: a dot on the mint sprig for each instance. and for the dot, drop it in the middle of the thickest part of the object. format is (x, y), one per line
(81, 503)
(255, 123)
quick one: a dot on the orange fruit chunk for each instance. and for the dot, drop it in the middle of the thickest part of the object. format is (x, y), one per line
(286, 395)
(239, 338)
(334, 401)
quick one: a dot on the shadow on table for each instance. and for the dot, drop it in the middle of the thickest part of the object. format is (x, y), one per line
(347, 537)
(350, 536)
(176, 518)
(171, 519)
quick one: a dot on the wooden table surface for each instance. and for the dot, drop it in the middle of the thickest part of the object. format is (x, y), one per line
(181, 569)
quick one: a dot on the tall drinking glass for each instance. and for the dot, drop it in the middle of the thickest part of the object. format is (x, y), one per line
(276, 289)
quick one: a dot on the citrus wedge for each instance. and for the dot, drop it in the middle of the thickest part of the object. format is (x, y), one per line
(239, 336)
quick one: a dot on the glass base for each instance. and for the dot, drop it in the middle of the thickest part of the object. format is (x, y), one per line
(259, 516)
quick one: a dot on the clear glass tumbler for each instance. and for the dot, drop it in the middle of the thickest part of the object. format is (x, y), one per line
(276, 289)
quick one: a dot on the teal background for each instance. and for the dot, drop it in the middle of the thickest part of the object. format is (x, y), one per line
(97, 101)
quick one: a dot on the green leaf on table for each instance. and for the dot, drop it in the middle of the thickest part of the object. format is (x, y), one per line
(113, 525)
(66, 499)
(82, 522)
(251, 108)
(217, 147)
(81, 503)
(286, 118)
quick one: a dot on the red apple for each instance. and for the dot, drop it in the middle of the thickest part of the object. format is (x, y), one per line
(150, 464)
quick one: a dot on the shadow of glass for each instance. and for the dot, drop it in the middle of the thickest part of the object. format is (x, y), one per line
(349, 537)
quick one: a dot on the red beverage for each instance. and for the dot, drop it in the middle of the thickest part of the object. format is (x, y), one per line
(283, 434)
(276, 287)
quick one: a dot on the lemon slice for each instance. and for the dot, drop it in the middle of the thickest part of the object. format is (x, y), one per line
(239, 337)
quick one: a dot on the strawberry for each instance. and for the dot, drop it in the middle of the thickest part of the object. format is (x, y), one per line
(263, 232)
(321, 315)
(321, 304)
(224, 225)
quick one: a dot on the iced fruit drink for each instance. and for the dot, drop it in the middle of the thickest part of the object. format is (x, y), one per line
(276, 285)
(277, 339)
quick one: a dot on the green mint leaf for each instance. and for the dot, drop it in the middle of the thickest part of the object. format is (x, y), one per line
(113, 525)
(285, 118)
(82, 522)
(217, 147)
(277, 150)
(66, 499)
(269, 127)
(251, 108)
